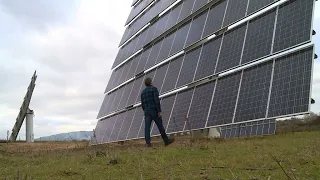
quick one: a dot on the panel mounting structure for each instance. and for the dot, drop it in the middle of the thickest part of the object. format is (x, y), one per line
(23, 109)
(222, 63)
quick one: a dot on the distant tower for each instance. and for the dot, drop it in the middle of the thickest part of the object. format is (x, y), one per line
(25, 112)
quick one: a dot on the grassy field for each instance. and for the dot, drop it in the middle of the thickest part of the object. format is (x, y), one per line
(284, 156)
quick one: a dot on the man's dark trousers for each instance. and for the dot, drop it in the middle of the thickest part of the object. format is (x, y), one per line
(158, 121)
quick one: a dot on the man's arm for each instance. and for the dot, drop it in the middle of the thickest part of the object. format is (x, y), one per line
(142, 102)
(156, 99)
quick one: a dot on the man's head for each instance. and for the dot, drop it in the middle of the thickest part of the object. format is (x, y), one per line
(148, 81)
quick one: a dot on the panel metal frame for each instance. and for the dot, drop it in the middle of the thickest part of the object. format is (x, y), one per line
(248, 3)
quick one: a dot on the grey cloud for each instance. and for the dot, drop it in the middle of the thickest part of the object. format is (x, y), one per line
(39, 14)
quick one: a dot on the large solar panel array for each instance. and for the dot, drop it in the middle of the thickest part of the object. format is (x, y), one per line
(234, 64)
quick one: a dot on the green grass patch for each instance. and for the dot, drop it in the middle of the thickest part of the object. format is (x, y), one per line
(246, 158)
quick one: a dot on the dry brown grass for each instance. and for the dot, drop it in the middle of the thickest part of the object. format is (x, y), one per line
(43, 146)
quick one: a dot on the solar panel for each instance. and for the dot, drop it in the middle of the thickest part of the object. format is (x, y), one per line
(109, 124)
(180, 111)
(154, 54)
(134, 66)
(259, 37)
(126, 35)
(126, 93)
(200, 105)
(174, 15)
(166, 47)
(172, 74)
(208, 58)
(117, 79)
(99, 131)
(290, 92)
(111, 80)
(150, 33)
(133, 28)
(134, 2)
(293, 24)
(197, 5)
(126, 68)
(142, 40)
(186, 9)
(240, 79)
(256, 5)
(119, 57)
(161, 25)
(138, 8)
(166, 104)
(117, 98)
(146, 17)
(215, 18)
(166, 4)
(103, 106)
(231, 49)
(135, 90)
(116, 128)
(132, 49)
(224, 100)
(188, 67)
(180, 38)
(110, 103)
(236, 10)
(159, 76)
(125, 125)
(136, 123)
(143, 60)
(196, 29)
(254, 93)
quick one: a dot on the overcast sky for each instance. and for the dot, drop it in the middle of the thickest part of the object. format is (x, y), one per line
(72, 45)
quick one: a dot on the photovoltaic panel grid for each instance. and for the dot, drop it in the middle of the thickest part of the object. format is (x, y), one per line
(233, 64)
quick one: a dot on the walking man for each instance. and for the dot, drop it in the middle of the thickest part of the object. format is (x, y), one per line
(152, 111)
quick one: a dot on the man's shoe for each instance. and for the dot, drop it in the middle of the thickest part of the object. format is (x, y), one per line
(170, 141)
(148, 145)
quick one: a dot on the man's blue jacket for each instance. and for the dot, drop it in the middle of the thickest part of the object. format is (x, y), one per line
(150, 101)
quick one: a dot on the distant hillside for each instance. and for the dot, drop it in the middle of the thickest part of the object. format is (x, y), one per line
(78, 136)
